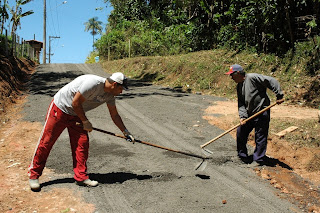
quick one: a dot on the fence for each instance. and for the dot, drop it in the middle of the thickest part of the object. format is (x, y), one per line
(14, 46)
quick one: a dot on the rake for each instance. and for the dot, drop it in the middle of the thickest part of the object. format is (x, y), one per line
(200, 166)
(208, 152)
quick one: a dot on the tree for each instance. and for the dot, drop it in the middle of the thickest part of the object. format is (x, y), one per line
(17, 14)
(94, 26)
(4, 16)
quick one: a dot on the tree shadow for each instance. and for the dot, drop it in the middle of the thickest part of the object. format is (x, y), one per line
(48, 83)
(149, 77)
(163, 91)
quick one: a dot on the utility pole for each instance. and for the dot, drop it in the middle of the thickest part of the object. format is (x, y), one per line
(44, 54)
(50, 38)
(45, 30)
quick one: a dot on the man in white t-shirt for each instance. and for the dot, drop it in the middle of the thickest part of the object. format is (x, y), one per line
(67, 110)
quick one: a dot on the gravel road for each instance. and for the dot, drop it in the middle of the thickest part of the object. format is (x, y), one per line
(140, 178)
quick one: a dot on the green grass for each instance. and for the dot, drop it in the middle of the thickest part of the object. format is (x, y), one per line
(204, 72)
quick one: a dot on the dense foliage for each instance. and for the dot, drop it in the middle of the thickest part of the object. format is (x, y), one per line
(166, 27)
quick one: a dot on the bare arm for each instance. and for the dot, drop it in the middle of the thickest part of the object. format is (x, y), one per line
(116, 117)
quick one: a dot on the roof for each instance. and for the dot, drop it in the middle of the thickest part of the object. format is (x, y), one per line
(35, 42)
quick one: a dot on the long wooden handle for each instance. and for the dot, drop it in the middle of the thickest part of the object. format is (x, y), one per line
(246, 120)
(150, 144)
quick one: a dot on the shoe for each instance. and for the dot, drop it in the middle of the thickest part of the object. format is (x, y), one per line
(246, 160)
(34, 184)
(88, 182)
(256, 164)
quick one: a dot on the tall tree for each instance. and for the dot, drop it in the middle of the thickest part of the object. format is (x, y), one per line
(17, 14)
(94, 26)
(4, 16)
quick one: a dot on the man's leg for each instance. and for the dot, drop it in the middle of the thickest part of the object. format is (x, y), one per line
(79, 141)
(261, 136)
(50, 133)
(242, 138)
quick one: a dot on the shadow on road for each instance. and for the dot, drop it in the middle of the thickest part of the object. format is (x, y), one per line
(109, 178)
(58, 181)
(117, 177)
(41, 82)
(47, 82)
(272, 162)
(269, 162)
(136, 84)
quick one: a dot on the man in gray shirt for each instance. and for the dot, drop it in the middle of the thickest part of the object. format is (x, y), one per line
(252, 97)
(67, 110)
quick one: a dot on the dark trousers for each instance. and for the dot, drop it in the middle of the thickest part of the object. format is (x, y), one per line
(261, 126)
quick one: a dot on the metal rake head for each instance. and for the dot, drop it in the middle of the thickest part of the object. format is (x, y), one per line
(206, 152)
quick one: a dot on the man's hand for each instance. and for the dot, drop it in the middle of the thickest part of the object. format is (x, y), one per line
(128, 135)
(280, 101)
(242, 121)
(87, 125)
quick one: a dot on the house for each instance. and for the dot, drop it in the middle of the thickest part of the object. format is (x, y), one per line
(36, 46)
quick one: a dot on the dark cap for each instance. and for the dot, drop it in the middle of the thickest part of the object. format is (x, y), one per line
(234, 68)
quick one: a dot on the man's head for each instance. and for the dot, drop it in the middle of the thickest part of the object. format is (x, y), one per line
(120, 78)
(236, 72)
(115, 83)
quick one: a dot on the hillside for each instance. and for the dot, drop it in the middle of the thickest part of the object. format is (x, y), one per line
(14, 73)
(204, 72)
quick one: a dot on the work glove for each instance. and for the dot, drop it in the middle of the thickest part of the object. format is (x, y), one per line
(128, 136)
(87, 125)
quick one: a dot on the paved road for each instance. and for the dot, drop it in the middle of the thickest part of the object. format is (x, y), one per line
(139, 178)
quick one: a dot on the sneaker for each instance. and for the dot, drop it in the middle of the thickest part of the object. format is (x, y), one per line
(34, 184)
(88, 182)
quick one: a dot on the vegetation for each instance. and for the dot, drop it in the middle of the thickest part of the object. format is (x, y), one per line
(2, 43)
(94, 26)
(4, 16)
(203, 71)
(278, 38)
(16, 14)
(91, 59)
(166, 27)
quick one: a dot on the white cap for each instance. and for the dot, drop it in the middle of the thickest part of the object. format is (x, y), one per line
(120, 79)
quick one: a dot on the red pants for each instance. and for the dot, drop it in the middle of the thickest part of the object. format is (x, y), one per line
(56, 122)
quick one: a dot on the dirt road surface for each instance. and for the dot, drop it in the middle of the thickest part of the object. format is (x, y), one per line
(136, 177)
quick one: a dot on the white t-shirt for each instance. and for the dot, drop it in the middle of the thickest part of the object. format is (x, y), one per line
(91, 88)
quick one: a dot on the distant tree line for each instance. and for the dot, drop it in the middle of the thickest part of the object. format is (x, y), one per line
(167, 27)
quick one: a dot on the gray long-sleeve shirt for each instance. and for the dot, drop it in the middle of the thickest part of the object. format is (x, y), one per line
(252, 93)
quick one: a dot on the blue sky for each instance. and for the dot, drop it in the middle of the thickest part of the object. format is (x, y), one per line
(67, 22)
